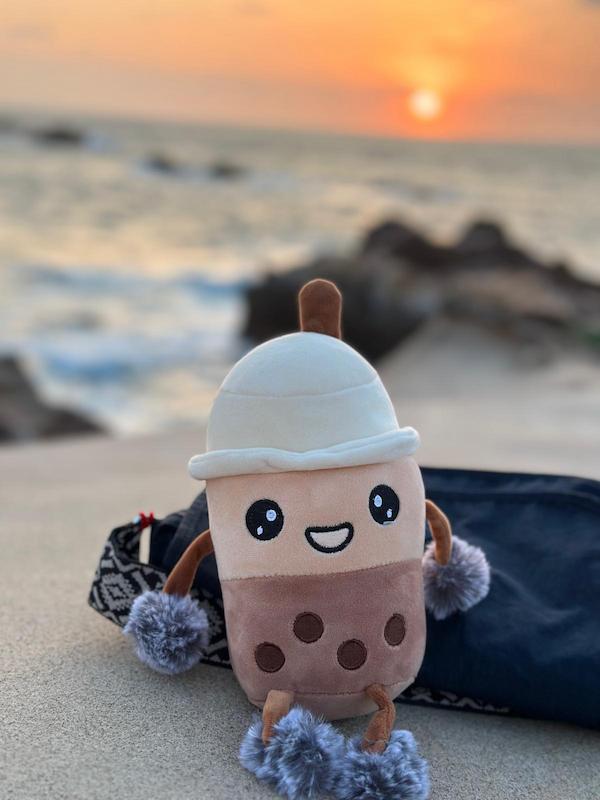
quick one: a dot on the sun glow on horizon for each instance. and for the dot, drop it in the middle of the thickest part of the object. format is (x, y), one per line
(425, 104)
(437, 68)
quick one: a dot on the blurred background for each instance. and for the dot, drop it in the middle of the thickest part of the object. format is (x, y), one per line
(172, 170)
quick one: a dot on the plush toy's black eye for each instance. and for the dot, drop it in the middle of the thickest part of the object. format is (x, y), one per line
(264, 519)
(384, 504)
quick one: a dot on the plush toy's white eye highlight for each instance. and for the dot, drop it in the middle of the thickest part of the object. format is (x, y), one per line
(264, 520)
(384, 504)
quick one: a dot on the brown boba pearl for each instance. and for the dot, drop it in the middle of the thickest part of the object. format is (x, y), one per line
(269, 657)
(308, 627)
(352, 654)
(395, 630)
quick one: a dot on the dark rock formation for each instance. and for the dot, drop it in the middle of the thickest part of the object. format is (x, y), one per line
(164, 164)
(225, 170)
(23, 415)
(397, 241)
(485, 243)
(59, 136)
(482, 238)
(160, 162)
(374, 318)
(398, 278)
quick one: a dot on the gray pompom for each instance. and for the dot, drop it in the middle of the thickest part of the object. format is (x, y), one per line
(170, 632)
(302, 759)
(399, 773)
(460, 584)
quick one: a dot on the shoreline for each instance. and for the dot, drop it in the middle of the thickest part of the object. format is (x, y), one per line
(479, 321)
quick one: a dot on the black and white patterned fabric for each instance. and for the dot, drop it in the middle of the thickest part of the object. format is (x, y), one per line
(120, 577)
(421, 696)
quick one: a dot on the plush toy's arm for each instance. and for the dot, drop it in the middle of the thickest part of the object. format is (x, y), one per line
(182, 576)
(456, 575)
(169, 630)
(441, 530)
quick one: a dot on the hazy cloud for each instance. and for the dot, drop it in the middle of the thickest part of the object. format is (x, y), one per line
(28, 32)
(251, 8)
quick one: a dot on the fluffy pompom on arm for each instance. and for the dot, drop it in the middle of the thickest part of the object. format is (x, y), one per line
(456, 575)
(169, 629)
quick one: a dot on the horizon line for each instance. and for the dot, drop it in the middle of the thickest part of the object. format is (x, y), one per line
(6, 109)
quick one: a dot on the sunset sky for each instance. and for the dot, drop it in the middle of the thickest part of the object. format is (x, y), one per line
(493, 69)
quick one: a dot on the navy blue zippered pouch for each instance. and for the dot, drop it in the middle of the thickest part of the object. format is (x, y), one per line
(532, 647)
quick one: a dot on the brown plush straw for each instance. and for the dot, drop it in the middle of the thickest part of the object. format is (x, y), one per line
(320, 305)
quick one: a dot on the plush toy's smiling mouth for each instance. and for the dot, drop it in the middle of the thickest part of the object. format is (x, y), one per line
(330, 538)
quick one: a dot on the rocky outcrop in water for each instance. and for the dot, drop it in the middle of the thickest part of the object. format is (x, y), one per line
(225, 170)
(397, 279)
(24, 415)
(162, 163)
(220, 170)
(59, 136)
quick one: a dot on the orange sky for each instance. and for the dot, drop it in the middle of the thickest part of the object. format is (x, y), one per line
(516, 69)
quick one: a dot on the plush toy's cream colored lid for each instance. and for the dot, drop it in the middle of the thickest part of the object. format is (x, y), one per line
(304, 401)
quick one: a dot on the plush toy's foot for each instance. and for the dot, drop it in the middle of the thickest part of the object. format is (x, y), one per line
(302, 758)
(398, 773)
(169, 632)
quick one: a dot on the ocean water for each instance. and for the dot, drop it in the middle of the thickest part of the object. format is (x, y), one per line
(121, 286)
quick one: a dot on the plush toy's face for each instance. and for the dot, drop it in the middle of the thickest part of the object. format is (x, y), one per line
(316, 522)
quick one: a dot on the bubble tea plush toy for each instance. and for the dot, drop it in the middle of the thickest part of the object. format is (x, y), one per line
(317, 514)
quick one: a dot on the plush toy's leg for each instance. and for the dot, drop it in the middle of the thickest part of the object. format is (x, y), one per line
(276, 706)
(385, 763)
(380, 727)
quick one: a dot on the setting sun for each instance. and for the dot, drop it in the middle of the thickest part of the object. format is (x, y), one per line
(425, 104)
(444, 69)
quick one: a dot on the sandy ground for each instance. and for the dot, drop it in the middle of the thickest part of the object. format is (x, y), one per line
(82, 718)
